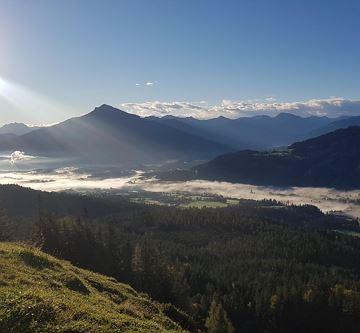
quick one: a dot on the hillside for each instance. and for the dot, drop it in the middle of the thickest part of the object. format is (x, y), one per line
(108, 135)
(267, 272)
(331, 160)
(60, 204)
(39, 293)
(186, 258)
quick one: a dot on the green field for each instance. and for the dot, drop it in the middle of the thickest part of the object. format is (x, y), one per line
(210, 204)
(183, 200)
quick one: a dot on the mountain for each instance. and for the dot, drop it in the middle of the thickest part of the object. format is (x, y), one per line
(17, 129)
(337, 124)
(39, 293)
(331, 160)
(258, 132)
(108, 134)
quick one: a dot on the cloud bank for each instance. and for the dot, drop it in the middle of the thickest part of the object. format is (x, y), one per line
(331, 107)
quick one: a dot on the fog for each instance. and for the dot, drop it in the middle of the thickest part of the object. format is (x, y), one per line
(71, 178)
(324, 198)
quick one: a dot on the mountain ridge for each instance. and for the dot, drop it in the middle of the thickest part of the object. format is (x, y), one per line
(17, 128)
(260, 132)
(330, 160)
(110, 134)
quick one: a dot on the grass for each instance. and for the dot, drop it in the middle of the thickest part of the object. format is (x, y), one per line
(42, 294)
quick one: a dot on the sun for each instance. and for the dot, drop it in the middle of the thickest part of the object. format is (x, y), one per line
(2, 85)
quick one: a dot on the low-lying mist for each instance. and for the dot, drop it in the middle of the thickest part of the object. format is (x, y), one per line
(71, 178)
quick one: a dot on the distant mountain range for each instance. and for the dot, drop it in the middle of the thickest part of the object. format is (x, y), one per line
(259, 132)
(330, 160)
(109, 135)
(17, 129)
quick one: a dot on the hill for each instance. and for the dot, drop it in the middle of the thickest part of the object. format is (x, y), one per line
(39, 293)
(331, 160)
(58, 203)
(262, 262)
(256, 261)
(108, 134)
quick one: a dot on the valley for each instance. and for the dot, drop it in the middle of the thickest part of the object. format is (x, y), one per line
(179, 166)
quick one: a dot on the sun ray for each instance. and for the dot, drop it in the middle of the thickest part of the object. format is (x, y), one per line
(30, 103)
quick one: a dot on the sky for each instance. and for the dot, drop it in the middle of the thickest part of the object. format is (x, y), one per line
(200, 58)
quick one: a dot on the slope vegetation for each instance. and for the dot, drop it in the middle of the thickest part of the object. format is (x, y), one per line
(39, 293)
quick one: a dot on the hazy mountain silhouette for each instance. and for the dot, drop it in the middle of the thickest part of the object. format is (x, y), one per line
(258, 132)
(336, 124)
(331, 160)
(109, 134)
(17, 128)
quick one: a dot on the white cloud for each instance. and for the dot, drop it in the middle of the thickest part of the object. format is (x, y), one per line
(148, 84)
(332, 107)
(156, 108)
(17, 156)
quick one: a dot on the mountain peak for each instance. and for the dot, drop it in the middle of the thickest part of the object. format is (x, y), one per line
(286, 115)
(106, 110)
(106, 107)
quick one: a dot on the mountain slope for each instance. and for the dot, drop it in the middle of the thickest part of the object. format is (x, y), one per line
(331, 160)
(337, 124)
(108, 134)
(39, 293)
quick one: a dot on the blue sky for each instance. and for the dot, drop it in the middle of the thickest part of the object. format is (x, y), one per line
(62, 58)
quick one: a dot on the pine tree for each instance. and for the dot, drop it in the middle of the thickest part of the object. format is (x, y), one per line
(217, 320)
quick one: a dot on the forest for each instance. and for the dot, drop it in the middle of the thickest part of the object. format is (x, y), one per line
(259, 266)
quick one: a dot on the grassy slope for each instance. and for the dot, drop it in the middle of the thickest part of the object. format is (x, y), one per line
(39, 293)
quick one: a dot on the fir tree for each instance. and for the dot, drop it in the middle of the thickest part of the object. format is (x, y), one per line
(217, 320)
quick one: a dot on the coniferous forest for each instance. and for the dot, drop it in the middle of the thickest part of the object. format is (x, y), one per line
(260, 266)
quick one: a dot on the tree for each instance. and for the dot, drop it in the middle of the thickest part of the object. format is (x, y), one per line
(217, 320)
(5, 226)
